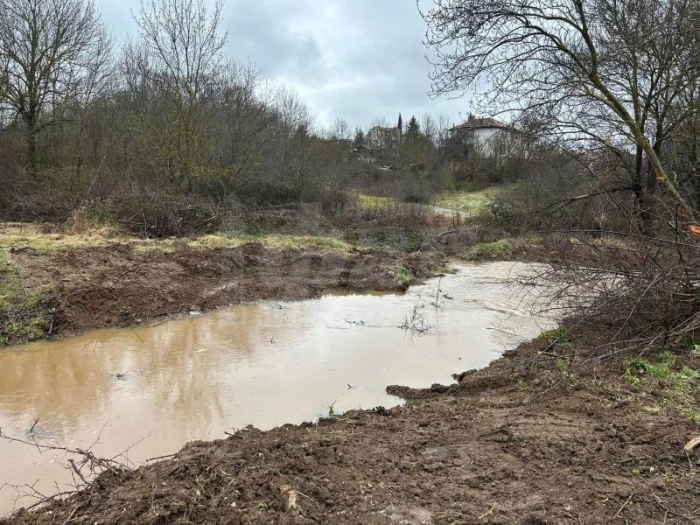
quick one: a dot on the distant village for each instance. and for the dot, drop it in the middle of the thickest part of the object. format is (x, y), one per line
(478, 136)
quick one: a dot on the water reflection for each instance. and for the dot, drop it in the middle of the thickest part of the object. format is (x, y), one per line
(152, 389)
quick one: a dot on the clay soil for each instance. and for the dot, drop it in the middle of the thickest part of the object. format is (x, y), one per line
(116, 285)
(544, 435)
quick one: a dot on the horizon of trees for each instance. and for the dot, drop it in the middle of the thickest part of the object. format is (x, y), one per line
(166, 110)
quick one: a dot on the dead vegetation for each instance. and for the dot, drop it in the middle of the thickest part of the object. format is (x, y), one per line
(85, 468)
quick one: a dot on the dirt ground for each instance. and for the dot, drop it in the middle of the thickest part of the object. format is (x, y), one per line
(547, 434)
(116, 285)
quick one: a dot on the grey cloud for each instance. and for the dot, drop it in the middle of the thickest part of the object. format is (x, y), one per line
(353, 59)
(258, 31)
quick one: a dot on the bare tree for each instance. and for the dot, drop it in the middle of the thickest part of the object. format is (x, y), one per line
(49, 50)
(96, 82)
(181, 56)
(4, 81)
(341, 129)
(595, 72)
(243, 130)
(296, 139)
(292, 111)
(429, 127)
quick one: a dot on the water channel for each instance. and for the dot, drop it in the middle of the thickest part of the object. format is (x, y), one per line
(144, 392)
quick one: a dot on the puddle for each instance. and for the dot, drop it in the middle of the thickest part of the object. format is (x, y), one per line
(145, 392)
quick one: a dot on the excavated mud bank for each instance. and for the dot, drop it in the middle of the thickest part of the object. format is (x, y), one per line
(117, 285)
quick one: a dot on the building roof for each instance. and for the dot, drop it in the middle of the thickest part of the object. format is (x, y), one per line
(480, 122)
(384, 130)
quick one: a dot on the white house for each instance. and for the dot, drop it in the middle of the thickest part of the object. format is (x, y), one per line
(485, 136)
(383, 138)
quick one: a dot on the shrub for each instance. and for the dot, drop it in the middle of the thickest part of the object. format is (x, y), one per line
(489, 250)
(162, 214)
(542, 199)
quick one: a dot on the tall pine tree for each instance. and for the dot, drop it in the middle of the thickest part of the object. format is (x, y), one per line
(359, 137)
(413, 128)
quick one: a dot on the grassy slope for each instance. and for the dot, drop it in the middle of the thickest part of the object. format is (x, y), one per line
(473, 203)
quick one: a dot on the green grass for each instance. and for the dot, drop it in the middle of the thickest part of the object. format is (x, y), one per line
(23, 317)
(677, 386)
(219, 241)
(370, 201)
(639, 367)
(28, 236)
(473, 203)
(555, 335)
(404, 276)
(557, 339)
(489, 250)
(5, 260)
(10, 284)
(693, 416)
(298, 242)
(44, 243)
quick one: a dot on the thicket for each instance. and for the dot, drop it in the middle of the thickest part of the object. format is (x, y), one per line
(152, 131)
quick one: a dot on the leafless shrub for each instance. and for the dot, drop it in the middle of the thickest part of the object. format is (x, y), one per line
(415, 321)
(646, 289)
(410, 227)
(39, 206)
(159, 213)
(84, 465)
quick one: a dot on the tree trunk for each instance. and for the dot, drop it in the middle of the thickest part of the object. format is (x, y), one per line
(32, 169)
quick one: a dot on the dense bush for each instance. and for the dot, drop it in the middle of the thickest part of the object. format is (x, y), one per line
(547, 196)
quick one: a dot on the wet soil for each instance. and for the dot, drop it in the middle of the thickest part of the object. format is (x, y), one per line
(117, 285)
(543, 435)
(524, 441)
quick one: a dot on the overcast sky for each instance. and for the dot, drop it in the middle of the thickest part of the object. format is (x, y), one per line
(359, 60)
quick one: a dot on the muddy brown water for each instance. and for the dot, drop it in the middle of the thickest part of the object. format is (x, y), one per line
(144, 392)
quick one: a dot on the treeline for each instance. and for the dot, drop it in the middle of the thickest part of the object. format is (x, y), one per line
(166, 112)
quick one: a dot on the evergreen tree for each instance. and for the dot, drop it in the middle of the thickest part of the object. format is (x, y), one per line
(359, 138)
(413, 128)
(416, 148)
(400, 124)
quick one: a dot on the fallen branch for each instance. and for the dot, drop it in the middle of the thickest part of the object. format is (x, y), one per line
(165, 457)
(76, 509)
(661, 504)
(622, 507)
(95, 465)
(692, 444)
(560, 204)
